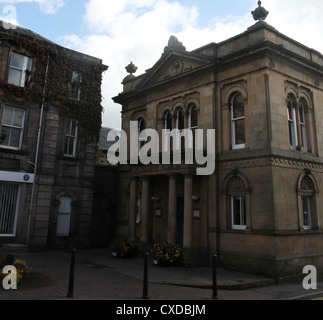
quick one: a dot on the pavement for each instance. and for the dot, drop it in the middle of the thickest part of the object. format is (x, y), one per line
(99, 276)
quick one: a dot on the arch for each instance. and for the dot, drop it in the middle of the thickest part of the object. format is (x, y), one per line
(293, 91)
(306, 183)
(192, 116)
(307, 190)
(167, 120)
(180, 118)
(238, 127)
(233, 90)
(234, 181)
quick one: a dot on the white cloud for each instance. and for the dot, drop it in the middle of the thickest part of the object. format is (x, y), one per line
(138, 30)
(47, 6)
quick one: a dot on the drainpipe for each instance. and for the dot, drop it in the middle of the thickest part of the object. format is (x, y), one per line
(30, 212)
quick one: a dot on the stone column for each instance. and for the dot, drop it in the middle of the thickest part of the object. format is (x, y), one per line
(132, 209)
(144, 210)
(188, 224)
(172, 207)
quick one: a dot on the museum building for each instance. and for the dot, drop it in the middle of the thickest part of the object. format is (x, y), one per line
(261, 209)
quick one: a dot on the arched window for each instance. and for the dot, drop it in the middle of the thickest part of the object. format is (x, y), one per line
(192, 117)
(180, 126)
(236, 189)
(64, 217)
(192, 124)
(238, 121)
(307, 192)
(302, 123)
(292, 123)
(180, 119)
(141, 128)
(168, 126)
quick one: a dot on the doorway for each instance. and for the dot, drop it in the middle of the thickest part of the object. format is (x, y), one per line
(180, 220)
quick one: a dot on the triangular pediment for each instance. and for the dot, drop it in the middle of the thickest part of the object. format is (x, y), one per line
(171, 65)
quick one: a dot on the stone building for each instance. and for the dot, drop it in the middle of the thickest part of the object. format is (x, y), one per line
(50, 118)
(261, 210)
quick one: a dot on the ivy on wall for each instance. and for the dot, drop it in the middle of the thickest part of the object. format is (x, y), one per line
(62, 63)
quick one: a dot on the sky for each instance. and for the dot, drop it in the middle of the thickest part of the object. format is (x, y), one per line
(121, 31)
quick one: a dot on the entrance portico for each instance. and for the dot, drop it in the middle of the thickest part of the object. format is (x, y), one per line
(162, 218)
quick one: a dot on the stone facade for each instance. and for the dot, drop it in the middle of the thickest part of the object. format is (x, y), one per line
(47, 153)
(261, 208)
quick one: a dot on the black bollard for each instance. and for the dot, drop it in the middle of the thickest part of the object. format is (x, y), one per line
(10, 260)
(145, 286)
(70, 292)
(215, 283)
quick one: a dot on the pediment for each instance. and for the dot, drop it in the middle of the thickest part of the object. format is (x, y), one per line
(172, 65)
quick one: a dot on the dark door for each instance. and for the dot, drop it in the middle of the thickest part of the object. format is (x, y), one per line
(180, 220)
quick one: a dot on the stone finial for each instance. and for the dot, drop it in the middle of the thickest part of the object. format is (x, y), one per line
(260, 14)
(174, 45)
(131, 68)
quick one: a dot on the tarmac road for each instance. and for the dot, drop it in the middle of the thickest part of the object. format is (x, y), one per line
(98, 276)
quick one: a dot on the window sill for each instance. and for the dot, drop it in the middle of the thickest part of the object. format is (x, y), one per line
(13, 151)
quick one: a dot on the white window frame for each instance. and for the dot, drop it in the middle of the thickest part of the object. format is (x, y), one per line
(11, 126)
(26, 65)
(243, 214)
(233, 125)
(68, 137)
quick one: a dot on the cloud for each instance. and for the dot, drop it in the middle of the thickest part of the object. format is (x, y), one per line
(138, 30)
(47, 6)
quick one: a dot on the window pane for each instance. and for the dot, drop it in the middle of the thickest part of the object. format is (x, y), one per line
(65, 205)
(69, 146)
(239, 132)
(193, 117)
(29, 64)
(306, 212)
(168, 121)
(73, 128)
(18, 118)
(17, 61)
(291, 133)
(76, 92)
(290, 113)
(7, 116)
(9, 202)
(238, 107)
(15, 77)
(180, 119)
(236, 212)
(77, 77)
(63, 224)
(15, 138)
(5, 131)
